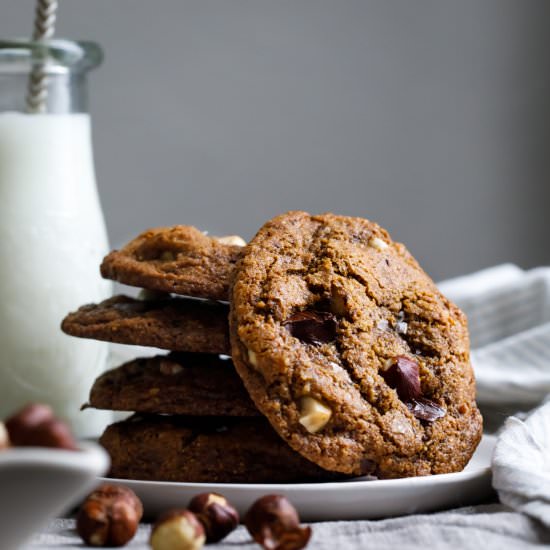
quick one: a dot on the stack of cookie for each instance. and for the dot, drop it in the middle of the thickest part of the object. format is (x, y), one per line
(346, 358)
(194, 420)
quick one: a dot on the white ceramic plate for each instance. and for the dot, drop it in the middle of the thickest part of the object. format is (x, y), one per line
(352, 499)
(37, 484)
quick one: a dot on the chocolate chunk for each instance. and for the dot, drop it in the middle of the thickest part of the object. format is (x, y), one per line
(312, 327)
(403, 377)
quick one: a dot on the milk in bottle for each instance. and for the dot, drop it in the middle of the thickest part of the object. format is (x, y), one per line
(52, 240)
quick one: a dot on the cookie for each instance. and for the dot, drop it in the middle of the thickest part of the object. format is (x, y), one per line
(176, 324)
(204, 450)
(179, 260)
(350, 350)
(177, 383)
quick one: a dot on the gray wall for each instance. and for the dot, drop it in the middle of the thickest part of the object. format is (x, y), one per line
(429, 116)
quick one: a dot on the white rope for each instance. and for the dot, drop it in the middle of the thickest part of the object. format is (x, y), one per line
(44, 21)
(44, 29)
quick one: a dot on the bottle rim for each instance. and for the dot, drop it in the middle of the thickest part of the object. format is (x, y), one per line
(53, 56)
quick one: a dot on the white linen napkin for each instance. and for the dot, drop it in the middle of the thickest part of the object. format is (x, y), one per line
(508, 312)
(521, 465)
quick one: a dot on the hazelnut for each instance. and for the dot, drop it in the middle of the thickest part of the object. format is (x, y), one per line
(274, 524)
(53, 433)
(4, 438)
(378, 243)
(252, 358)
(28, 417)
(36, 426)
(233, 240)
(217, 516)
(313, 414)
(109, 516)
(177, 530)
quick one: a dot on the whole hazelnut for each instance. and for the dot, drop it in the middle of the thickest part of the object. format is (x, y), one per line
(20, 424)
(36, 426)
(274, 524)
(109, 516)
(177, 530)
(217, 516)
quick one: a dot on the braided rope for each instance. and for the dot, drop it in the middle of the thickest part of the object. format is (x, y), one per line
(44, 21)
(44, 28)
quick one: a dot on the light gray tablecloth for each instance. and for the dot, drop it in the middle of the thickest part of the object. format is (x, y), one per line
(488, 527)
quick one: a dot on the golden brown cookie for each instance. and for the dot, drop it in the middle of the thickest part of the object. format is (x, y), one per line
(177, 383)
(350, 350)
(176, 324)
(179, 259)
(204, 450)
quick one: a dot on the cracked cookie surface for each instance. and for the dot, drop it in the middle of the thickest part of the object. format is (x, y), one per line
(177, 383)
(349, 349)
(204, 450)
(179, 260)
(176, 324)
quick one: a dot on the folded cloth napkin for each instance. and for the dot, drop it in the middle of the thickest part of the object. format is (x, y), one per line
(521, 464)
(508, 312)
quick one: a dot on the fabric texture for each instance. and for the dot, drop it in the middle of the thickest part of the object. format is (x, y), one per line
(509, 316)
(487, 527)
(521, 465)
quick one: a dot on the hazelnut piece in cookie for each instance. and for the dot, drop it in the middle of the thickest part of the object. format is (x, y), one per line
(314, 416)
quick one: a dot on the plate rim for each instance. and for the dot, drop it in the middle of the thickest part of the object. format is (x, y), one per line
(89, 456)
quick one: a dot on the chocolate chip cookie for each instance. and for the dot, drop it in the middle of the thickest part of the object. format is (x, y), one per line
(176, 324)
(177, 383)
(179, 260)
(204, 450)
(350, 350)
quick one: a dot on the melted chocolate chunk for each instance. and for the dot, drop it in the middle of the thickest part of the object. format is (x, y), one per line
(312, 327)
(403, 376)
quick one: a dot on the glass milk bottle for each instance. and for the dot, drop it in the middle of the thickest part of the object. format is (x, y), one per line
(52, 232)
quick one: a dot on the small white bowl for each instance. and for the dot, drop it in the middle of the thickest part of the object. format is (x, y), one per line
(37, 484)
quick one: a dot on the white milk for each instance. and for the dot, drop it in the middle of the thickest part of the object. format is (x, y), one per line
(52, 240)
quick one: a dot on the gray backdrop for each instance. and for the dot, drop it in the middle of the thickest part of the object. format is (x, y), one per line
(430, 116)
